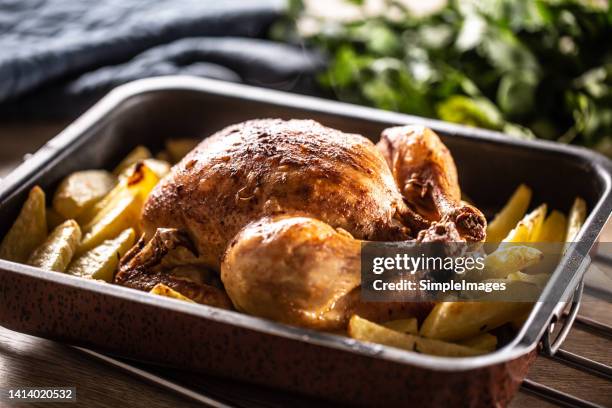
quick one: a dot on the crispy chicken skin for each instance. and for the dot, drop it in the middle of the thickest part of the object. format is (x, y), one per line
(279, 210)
(266, 167)
(299, 270)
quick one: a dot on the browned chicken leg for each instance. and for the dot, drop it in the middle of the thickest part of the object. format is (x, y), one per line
(299, 270)
(425, 172)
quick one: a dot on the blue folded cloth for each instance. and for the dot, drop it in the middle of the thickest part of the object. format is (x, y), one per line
(58, 56)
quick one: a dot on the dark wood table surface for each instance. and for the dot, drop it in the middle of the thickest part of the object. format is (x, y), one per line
(30, 361)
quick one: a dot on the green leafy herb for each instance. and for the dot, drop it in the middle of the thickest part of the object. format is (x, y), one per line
(526, 67)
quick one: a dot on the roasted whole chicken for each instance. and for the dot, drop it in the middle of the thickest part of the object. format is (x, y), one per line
(268, 217)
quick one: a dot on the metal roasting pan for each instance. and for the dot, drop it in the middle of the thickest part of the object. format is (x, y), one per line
(136, 325)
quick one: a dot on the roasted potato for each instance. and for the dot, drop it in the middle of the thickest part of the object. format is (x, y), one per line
(442, 348)
(409, 326)
(29, 229)
(539, 279)
(485, 341)
(453, 321)
(139, 153)
(82, 190)
(101, 262)
(58, 249)
(510, 215)
(121, 210)
(576, 218)
(163, 290)
(163, 156)
(528, 229)
(178, 148)
(159, 167)
(554, 228)
(365, 330)
(503, 261)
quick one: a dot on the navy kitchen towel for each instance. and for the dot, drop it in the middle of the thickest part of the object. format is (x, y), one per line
(58, 56)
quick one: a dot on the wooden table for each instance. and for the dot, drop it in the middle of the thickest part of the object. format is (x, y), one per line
(31, 361)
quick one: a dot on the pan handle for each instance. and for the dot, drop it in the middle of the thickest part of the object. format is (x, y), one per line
(550, 347)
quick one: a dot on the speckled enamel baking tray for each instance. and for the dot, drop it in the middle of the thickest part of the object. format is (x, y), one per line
(136, 325)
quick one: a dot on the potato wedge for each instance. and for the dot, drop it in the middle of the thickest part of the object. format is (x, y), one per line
(365, 330)
(538, 279)
(163, 290)
(510, 215)
(159, 167)
(409, 326)
(29, 229)
(485, 341)
(58, 249)
(528, 229)
(503, 261)
(122, 209)
(554, 228)
(453, 321)
(82, 190)
(178, 148)
(576, 218)
(163, 155)
(123, 215)
(445, 349)
(139, 153)
(140, 182)
(101, 262)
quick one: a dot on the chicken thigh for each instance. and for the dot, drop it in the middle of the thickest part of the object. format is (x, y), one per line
(279, 209)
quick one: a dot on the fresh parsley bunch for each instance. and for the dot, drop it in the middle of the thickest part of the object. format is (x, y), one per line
(526, 67)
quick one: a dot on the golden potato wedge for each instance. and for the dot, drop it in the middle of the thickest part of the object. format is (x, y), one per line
(123, 215)
(159, 167)
(409, 326)
(485, 341)
(510, 215)
(528, 229)
(82, 190)
(54, 219)
(139, 183)
(58, 249)
(538, 279)
(178, 148)
(365, 330)
(442, 348)
(29, 229)
(163, 156)
(139, 153)
(503, 261)
(453, 321)
(163, 290)
(553, 229)
(576, 218)
(101, 262)
(121, 211)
